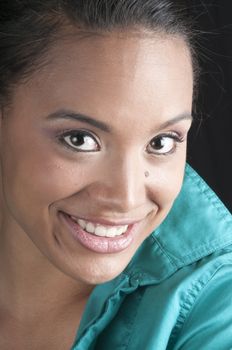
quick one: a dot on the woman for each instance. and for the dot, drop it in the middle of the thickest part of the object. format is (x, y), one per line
(96, 100)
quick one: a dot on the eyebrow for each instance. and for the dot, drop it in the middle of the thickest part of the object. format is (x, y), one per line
(70, 115)
(177, 119)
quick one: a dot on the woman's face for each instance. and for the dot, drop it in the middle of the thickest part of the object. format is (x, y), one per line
(99, 134)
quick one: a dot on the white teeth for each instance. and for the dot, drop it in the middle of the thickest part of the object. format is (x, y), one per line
(90, 227)
(82, 223)
(112, 232)
(100, 230)
(125, 229)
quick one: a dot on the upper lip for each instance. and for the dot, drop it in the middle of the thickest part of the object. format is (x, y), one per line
(104, 221)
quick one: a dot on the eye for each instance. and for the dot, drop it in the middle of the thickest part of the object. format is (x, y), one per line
(164, 144)
(80, 141)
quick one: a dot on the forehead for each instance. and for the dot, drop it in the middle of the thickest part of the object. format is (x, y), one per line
(119, 72)
(125, 55)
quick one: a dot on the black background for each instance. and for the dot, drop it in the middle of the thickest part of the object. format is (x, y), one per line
(210, 139)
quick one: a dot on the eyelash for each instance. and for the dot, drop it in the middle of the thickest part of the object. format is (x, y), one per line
(65, 133)
(178, 138)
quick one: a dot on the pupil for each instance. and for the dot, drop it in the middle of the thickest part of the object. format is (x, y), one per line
(77, 140)
(158, 143)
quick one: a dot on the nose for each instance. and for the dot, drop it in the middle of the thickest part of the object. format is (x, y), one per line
(122, 184)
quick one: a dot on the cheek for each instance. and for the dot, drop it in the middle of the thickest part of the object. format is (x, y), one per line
(34, 177)
(165, 185)
(166, 181)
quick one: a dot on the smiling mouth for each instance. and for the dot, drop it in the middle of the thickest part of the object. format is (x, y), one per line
(100, 230)
(98, 237)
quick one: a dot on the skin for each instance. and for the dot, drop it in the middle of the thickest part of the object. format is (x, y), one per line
(135, 85)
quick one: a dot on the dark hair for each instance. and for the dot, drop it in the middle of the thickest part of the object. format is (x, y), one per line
(29, 27)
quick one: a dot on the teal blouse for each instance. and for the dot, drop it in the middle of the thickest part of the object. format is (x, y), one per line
(176, 293)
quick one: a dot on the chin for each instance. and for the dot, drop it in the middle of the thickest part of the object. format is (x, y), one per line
(99, 274)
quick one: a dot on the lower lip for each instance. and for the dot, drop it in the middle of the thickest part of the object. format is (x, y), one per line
(99, 244)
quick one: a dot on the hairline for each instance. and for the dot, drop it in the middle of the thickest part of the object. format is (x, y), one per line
(68, 30)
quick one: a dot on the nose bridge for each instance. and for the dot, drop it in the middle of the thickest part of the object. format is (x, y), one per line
(126, 181)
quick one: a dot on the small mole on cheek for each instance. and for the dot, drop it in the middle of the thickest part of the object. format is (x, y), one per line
(146, 173)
